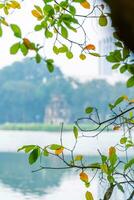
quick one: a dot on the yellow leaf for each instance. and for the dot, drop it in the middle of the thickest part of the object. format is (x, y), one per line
(116, 128)
(84, 177)
(112, 151)
(82, 56)
(15, 4)
(85, 4)
(90, 47)
(36, 14)
(89, 196)
(59, 151)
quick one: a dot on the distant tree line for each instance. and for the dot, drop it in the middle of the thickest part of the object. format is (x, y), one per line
(26, 89)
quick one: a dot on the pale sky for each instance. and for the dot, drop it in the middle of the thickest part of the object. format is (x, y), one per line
(84, 70)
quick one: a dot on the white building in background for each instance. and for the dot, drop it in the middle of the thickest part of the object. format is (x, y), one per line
(57, 111)
(105, 46)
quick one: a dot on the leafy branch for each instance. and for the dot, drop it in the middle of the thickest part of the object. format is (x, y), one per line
(115, 172)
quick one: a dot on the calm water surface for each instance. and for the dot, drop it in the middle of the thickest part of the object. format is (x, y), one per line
(17, 182)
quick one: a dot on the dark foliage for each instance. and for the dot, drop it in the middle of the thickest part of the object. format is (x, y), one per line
(122, 14)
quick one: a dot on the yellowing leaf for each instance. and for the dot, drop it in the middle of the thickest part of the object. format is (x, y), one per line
(116, 128)
(89, 196)
(82, 56)
(36, 14)
(104, 168)
(75, 131)
(3, 21)
(125, 97)
(103, 20)
(28, 44)
(131, 101)
(85, 4)
(78, 158)
(59, 151)
(90, 47)
(84, 177)
(112, 151)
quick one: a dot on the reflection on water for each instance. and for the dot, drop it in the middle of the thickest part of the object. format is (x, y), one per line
(17, 180)
(16, 173)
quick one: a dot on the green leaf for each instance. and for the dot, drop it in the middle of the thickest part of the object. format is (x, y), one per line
(115, 35)
(69, 54)
(123, 69)
(55, 146)
(103, 158)
(113, 159)
(55, 50)
(130, 68)
(64, 32)
(2, 5)
(103, 20)
(26, 147)
(34, 156)
(89, 110)
(95, 54)
(130, 82)
(123, 140)
(47, 1)
(29, 148)
(16, 30)
(89, 196)
(72, 10)
(38, 58)
(1, 32)
(126, 53)
(75, 131)
(111, 106)
(129, 164)
(50, 65)
(119, 44)
(118, 101)
(115, 66)
(48, 34)
(24, 49)
(63, 49)
(114, 56)
(64, 4)
(110, 179)
(14, 48)
(78, 1)
(120, 187)
(38, 27)
(48, 10)
(45, 152)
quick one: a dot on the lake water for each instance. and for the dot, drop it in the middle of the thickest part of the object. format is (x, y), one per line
(17, 182)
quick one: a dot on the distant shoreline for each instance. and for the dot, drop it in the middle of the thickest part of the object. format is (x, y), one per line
(38, 127)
